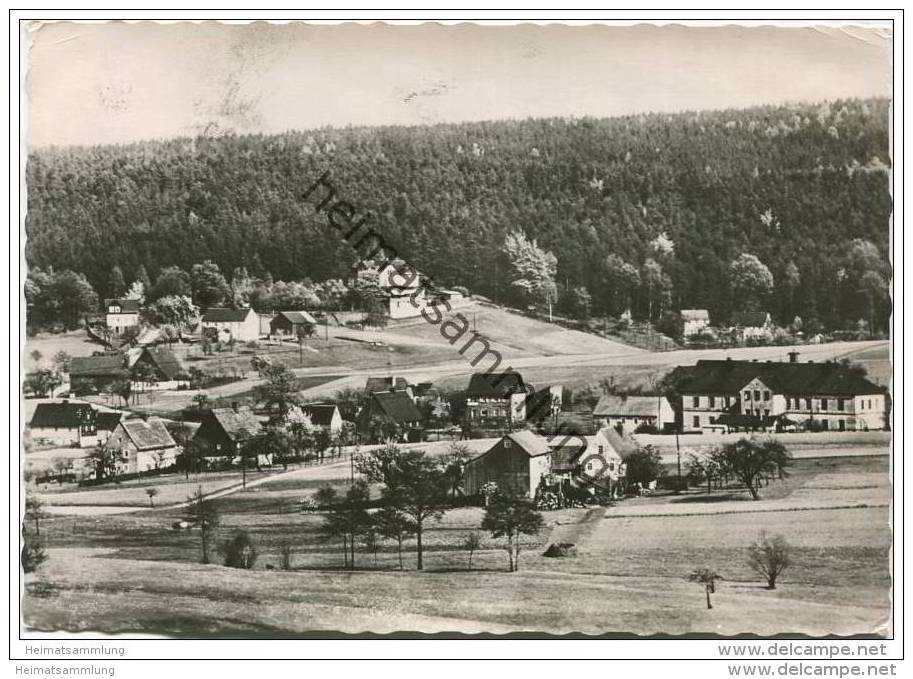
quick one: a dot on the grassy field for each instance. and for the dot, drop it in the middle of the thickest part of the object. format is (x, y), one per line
(133, 573)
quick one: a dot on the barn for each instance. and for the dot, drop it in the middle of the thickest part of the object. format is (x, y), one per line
(517, 463)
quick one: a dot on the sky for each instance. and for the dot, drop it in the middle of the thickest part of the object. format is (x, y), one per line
(117, 82)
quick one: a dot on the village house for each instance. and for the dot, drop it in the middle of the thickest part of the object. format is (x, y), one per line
(403, 288)
(66, 424)
(142, 445)
(694, 321)
(161, 367)
(517, 463)
(240, 325)
(97, 374)
(324, 415)
(628, 413)
(291, 323)
(223, 432)
(752, 325)
(393, 410)
(496, 400)
(121, 314)
(392, 383)
(731, 394)
(599, 459)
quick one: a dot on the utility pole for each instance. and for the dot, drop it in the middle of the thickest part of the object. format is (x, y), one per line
(678, 452)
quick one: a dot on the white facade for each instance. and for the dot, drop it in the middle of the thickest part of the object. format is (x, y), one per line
(65, 437)
(119, 320)
(246, 330)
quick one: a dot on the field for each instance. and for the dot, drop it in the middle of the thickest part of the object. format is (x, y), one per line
(132, 573)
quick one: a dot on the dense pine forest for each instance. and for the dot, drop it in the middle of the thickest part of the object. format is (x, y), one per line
(643, 211)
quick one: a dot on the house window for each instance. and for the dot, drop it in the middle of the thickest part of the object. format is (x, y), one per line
(757, 394)
(506, 443)
(824, 424)
(808, 404)
(589, 466)
(695, 401)
(766, 395)
(601, 449)
(747, 395)
(841, 425)
(766, 412)
(611, 466)
(840, 404)
(712, 401)
(748, 411)
(697, 421)
(823, 404)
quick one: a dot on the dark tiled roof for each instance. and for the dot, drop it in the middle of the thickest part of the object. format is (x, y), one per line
(165, 360)
(385, 384)
(148, 435)
(749, 319)
(239, 425)
(320, 413)
(495, 385)
(108, 420)
(127, 306)
(727, 377)
(106, 365)
(62, 415)
(397, 406)
(220, 315)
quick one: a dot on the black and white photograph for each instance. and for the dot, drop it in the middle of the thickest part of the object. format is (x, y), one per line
(360, 328)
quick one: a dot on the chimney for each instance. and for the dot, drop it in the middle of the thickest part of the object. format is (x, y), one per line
(234, 406)
(793, 356)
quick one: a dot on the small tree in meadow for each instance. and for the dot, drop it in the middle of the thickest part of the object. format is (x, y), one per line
(239, 551)
(769, 557)
(472, 542)
(152, 492)
(706, 577)
(392, 524)
(511, 516)
(204, 514)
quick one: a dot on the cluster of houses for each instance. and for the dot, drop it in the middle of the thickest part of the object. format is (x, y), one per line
(743, 326)
(713, 395)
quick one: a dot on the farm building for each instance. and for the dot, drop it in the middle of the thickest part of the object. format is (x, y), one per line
(392, 412)
(142, 446)
(162, 367)
(241, 325)
(97, 374)
(375, 384)
(775, 395)
(223, 431)
(121, 314)
(325, 415)
(496, 400)
(517, 463)
(694, 321)
(66, 423)
(291, 323)
(628, 413)
(599, 458)
(752, 325)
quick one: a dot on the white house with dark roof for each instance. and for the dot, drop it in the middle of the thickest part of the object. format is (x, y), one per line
(223, 431)
(599, 458)
(242, 325)
(324, 415)
(121, 314)
(142, 445)
(630, 412)
(752, 325)
(65, 423)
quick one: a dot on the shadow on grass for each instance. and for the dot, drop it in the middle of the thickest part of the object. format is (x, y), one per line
(713, 497)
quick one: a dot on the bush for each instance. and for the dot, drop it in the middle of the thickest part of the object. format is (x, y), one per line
(561, 549)
(239, 551)
(33, 554)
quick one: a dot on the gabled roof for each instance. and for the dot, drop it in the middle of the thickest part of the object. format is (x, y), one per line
(385, 384)
(695, 315)
(127, 306)
(566, 456)
(106, 365)
(238, 425)
(296, 317)
(220, 315)
(625, 446)
(108, 420)
(165, 360)
(148, 434)
(800, 379)
(532, 444)
(628, 406)
(495, 385)
(749, 319)
(320, 413)
(63, 415)
(397, 406)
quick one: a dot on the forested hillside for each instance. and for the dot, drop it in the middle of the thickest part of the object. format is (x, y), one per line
(613, 199)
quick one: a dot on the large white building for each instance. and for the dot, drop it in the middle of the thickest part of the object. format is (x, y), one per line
(774, 395)
(121, 314)
(241, 325)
